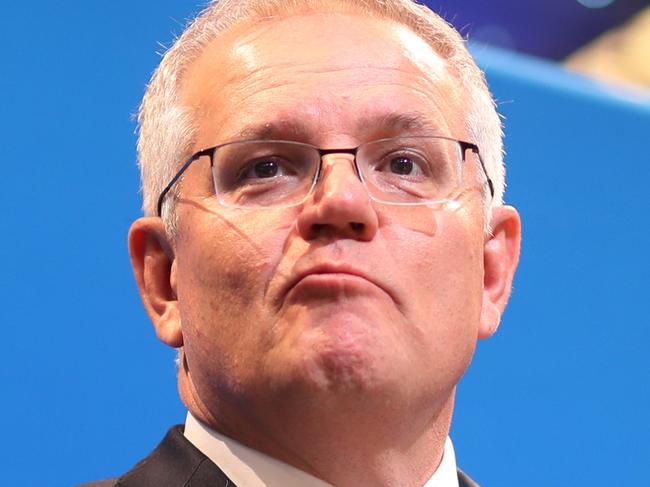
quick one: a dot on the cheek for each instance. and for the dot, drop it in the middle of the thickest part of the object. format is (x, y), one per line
(441, 252)
(225, 261)
(227, 250)
(443, 271)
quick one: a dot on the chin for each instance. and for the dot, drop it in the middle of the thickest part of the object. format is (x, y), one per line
(345, 353)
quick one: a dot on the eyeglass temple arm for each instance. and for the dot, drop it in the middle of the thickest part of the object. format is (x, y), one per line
(474, 148)
(188, 163)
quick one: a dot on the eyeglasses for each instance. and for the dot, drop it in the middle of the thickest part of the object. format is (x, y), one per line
(420, 170)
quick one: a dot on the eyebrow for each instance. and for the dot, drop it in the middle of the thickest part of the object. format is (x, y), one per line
(275, 130)
(392, 122)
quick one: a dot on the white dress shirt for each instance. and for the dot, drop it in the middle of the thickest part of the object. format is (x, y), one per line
(247, 467)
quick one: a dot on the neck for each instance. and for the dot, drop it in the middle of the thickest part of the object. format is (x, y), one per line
(375, 448)
(342, 440)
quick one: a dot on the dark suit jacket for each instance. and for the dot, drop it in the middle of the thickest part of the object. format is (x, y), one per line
(178, 463)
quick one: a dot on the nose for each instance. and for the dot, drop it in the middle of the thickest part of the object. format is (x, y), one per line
(340, 205)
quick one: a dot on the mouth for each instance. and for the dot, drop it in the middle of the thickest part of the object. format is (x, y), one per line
(332, 275)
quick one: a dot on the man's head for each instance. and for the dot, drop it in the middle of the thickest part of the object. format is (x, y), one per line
(342, 309)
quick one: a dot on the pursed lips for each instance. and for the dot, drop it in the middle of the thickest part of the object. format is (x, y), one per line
(332, 268)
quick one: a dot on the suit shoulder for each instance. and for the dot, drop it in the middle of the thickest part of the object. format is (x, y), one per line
(101, 483)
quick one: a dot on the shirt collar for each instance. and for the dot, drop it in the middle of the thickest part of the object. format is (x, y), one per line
(249, 467)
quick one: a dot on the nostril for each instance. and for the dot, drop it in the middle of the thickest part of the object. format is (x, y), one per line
(357, 227)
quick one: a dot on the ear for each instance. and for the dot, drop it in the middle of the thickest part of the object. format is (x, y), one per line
(153, 263)
(500, 259)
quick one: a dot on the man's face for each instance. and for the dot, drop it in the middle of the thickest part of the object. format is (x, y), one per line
(341, 296)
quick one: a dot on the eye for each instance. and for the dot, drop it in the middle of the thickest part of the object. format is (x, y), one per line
(406, 164)
(265, 169)
(268, 168)
(403, 166)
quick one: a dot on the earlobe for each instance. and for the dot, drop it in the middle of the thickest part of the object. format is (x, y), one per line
(154, 268)
(500, 257)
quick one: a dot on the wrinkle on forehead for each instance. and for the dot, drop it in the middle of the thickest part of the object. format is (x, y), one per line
(330, 87)
(390, 122)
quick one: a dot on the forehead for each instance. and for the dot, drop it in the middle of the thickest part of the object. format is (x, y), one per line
(322, 72)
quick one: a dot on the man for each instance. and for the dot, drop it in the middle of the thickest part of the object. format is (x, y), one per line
(332, 249)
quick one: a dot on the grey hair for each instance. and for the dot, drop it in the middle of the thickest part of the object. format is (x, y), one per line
(166, 131)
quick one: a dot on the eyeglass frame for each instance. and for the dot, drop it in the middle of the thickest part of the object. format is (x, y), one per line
(210, 151)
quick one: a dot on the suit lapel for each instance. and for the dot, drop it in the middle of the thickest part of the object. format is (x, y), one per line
(464, 480)
(175, 463)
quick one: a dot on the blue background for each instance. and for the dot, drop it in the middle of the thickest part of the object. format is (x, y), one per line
(560, 395)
